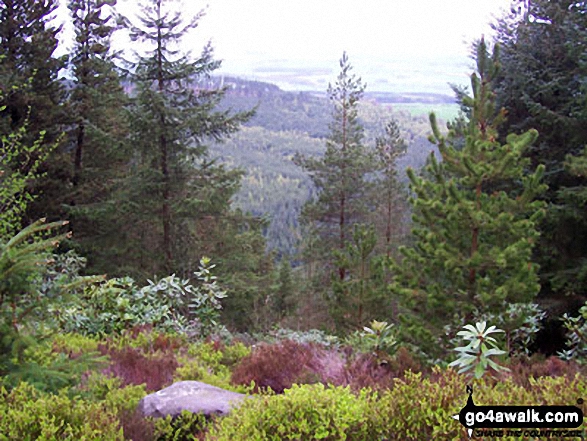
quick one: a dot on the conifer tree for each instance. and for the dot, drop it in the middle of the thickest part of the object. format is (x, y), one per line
(389, 191)
(340, 176)
(99, 157)
(284, 301)
(356, 298)
(573, 200)
(27, 44)
(542, 84)
(174, 184)
(33, 94)
(473, 240)
(97, 96)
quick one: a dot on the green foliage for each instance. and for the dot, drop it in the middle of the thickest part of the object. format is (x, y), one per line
(379, 338)
(284, 301)
(520, 322)
(287, 123)
(421, 408)
(23, 259)
(111, 394)
(176, 197)
(340, 175)
(204, 303)
(542, 85)
(27, 414)
(74, 343)
(112, 307)
(203, 362)
(390, 217)
(19, 167)
(416, 408)
(97, 134)
(23, 311)
(473, 240)
(359, 297)
(185, 427)
(170, 303)
(309, 412)
(343, 184)
(573, 206)
(47, 367)
(475, 357)
(32, 101)
(576, 343)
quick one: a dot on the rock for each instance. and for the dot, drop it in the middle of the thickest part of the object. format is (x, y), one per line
(193, 396)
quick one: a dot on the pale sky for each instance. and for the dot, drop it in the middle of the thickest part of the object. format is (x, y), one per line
(394, 45)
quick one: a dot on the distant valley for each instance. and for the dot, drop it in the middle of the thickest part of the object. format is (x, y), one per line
(288, 122)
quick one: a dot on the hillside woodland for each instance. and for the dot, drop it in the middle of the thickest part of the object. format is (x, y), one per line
(351, 265)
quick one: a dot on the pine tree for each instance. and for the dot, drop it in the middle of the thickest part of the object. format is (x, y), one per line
(473, 241)
(341, 175)
(174, 185)
(389, 191)
(357, 298)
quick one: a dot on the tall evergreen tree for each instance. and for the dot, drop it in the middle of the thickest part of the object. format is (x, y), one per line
(341, 175)
(542, 84)
(99, 157)
(27, 44)
(174, 185)
(573, 199)
(473, 241)
(97, 96)
(32, 93)
(393, 207)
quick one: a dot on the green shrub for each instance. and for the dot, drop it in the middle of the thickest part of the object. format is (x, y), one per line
(232, 354)
(110, 391)
(169, 304)
(74, 344)
(112, 307)
(305, 412)
(186, 427)
(420, 408)
(380, 338)
(203, 362)
(148, 339)
(475, 358)
(54, 363)
(28, 414)
(414, 409)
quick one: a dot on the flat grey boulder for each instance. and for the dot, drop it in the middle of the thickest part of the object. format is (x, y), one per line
(193, 396)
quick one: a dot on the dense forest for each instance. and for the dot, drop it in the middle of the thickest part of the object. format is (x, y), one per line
(286, 123)
(160, 222)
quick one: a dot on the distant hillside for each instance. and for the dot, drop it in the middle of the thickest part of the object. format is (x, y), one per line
(290, 122)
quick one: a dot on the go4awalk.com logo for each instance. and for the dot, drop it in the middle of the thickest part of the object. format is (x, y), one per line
(530, 421)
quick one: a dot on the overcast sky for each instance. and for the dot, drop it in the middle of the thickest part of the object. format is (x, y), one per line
(401, 45)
